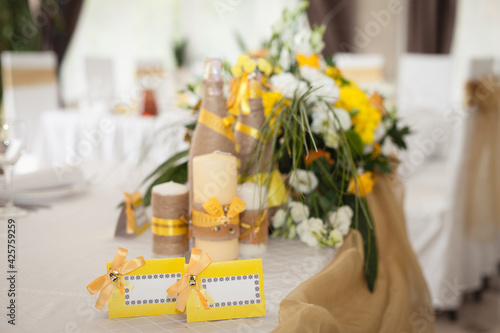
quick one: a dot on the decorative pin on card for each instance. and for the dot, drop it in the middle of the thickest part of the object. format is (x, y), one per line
(133, 219)
(220, 290)
(137, 287)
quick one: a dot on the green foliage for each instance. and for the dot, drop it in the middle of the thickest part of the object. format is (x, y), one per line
(17, 30)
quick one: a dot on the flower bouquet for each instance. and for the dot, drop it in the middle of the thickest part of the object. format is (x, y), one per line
(329, 139)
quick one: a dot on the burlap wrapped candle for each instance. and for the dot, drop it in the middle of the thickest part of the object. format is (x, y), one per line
(170, 204)
(254, 221)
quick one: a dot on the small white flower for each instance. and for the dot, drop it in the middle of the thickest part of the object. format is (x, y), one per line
(279, 218)
(308, 229)
(288, 84)
(336, 238)
(303, 181)
(326, 123)
(298, 211)
(341, 219)
(380, 131)
(324, 86)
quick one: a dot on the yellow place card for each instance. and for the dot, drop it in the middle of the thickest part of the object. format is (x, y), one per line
(236, 288)
(148, 296)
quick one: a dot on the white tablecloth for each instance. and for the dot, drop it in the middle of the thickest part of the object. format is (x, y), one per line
(62, 249)
(72, 137)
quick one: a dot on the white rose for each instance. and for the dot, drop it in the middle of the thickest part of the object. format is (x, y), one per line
(336, 238)
(341, 219)
(288, 84)
(308, 229)
(299, 211)
(303, 181)
(279, 218)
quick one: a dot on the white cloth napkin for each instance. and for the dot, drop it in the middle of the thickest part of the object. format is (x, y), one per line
(50, 178)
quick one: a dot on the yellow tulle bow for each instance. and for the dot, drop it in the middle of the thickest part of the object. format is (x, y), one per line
(113, 279)
(130, 201)
(255, 229)
(190, 283)
(276, 193)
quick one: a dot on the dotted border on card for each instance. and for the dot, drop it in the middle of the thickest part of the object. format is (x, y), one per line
(132, 278)
(254, 277)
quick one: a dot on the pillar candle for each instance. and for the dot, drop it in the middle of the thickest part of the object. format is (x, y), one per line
(255, 196)
(170, 205)
(215, 175)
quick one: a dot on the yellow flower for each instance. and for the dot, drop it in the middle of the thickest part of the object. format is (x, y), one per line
(249, 66)
(236, 70)
(277, 70)
(312, 61)
(333, 72)
(269, 99)
(242, 58)
(265, 66)
(365, 183)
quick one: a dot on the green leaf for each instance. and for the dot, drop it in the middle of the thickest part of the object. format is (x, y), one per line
(355, 142)
(178, 174)
(165, 166)
(367, 229)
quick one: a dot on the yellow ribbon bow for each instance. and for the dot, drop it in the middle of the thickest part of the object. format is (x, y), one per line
(238, 97)
(114, 277)
(255, 229)
(189, 283)
(217, 214)
(131, 201)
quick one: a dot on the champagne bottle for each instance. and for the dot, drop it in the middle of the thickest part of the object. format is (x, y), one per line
(211, 132)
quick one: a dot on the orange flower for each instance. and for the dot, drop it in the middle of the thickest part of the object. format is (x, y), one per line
(312, 61)
(376, 151)
(315, 155)
(378, 103)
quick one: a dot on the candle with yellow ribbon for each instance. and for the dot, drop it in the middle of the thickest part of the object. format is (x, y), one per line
(190, 284)
(113, 279)
(216, 208)
(214, 127)
(254, 232)
(170, 205)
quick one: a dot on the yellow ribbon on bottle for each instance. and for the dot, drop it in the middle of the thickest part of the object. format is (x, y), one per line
(276, 193)
(241, 90)
(248, 130)
(254, 229)
(113, 279)
(131, 201)
(166, 227)
(218, 214)
(216, 123)
(190, 283)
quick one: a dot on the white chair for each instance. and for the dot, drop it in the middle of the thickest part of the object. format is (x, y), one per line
(451, 263)
(30, 86)
(99, 79)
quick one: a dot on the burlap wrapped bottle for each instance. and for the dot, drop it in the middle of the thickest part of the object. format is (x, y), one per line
(170, 204)
(254, 157)
(254, 166)
(212, 131)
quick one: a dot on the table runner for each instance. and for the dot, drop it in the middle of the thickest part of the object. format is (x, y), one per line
(338, 300)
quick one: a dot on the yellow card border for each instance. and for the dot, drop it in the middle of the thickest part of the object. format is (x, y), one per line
(229, 268)
(116, 302)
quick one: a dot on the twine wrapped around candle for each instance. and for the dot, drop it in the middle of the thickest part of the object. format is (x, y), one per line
(254, 226)
(170, 225)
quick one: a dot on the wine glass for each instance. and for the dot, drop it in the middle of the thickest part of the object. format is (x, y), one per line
(12, 147)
